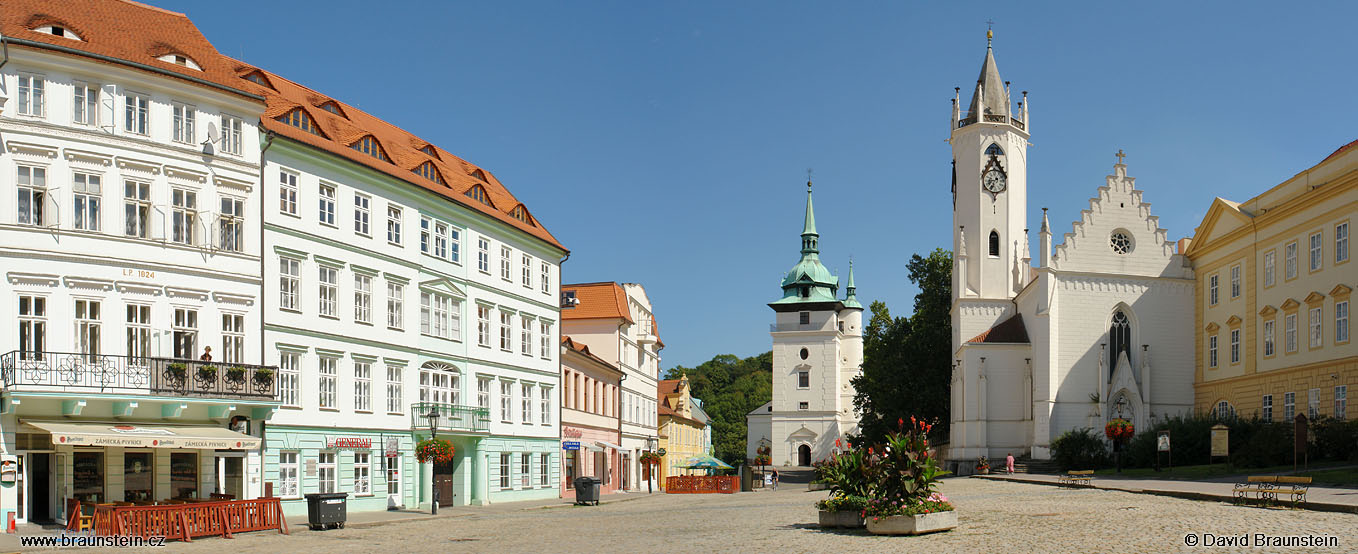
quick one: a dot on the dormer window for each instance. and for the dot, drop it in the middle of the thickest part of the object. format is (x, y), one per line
(57, 31)
(180, 60)
(429, 149)
(478, 193)
(428, 171)
(369, 145)
(479, 174)
(298, 118)
(258, 78)
(333, 108)
(521, 213)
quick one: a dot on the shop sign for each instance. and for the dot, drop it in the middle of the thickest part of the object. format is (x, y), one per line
(572, 432)
(348, 443)
(1220, 441)
(311, 467)
(393, 447)
(570, 445)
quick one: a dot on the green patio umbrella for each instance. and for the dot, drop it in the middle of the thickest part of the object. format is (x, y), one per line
(705, 462)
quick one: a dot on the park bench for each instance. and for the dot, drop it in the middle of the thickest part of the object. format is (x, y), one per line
(1262, 487)
(1082, 477)
(1296, 491)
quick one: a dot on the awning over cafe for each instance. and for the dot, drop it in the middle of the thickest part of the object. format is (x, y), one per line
(606, 444)
(145, 436)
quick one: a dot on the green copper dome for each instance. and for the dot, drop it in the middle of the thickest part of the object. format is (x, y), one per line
(809, 281)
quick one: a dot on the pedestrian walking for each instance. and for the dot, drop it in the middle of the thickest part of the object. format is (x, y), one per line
(1009, 463)
(775, 479)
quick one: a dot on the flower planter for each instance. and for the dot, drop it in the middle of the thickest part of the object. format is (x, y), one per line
(912, 525)
(829, 519)
(847, 519)
(818, 486)
(983, 471)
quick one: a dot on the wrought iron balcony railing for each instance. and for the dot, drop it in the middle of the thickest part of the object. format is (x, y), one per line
(451, 417)
(113, 374)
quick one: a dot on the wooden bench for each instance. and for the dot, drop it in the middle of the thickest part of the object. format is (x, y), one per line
(1263, 487)
(1082, 477)
(1296, 491)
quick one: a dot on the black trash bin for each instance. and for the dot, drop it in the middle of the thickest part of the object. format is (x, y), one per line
(326, 509)
(587, 490)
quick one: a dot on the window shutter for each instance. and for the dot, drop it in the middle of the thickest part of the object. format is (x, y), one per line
(51, 207)
(159, 221)
(108, 114)
(206, 224)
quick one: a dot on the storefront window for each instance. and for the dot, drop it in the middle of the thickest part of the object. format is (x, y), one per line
(87, 476)
(327, 471)
(183, 474)
(138, 477)
(570, 467)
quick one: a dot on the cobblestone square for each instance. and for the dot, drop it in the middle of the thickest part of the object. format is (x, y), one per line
(994, 517)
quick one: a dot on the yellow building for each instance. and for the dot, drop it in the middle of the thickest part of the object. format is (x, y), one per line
(1274, 276)
(681, 435)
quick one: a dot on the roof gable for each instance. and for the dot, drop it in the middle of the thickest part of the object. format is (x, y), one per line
(1222, 218)
(1116, 234)
(1008, 331)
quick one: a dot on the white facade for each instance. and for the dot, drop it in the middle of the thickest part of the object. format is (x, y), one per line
(127, 246)
(1067, 343)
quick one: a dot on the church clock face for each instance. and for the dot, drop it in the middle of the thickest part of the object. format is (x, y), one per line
(993, 181)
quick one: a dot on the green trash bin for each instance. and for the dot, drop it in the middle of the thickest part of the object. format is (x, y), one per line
(326, 509)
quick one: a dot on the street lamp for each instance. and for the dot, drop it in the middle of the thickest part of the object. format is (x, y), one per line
(433, 434)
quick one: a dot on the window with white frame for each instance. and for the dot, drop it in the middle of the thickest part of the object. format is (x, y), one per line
(1235, 346)
(137, 209)
(185, 215)
(233, 338)
(483, 326)
(504, 262)
(1268, 268)
(32, 95)
(231, 134)
(1290, 332)
(327, 205)
(525, 473)
(506, 401)
(545, 329)
(504, 471)
(439, 384)
(526, 335)
(1268, 337)
(287, 475)
(289, 281)
(1289, 406)
(363, 386)
(287, 192)
(426, 235)
(395, 389)
(803, 379)
(32, 183)
(185, 117)
(1316, 328)
(543, 465)
(328, 290)
(138, 331)
(1235, 281)
(506, 342)
(483, 393)
(1224, 410)
(483, 255)
(1212, 351)
(526, 398)
(1341, 242)
(289, 378)
(1266, 412)
(396, 305)
(363, 298)
(1316, 259)
(87, 326)
(441, 240)
(1341, 402)
(325, 462)
(392, 467)
(393, 224)
(1211, 290)
(362, 479)
(327, 372)
(1290, 255)
(545, 404)
(185, 333)
(231, 225)
(1341, 322)
(545, 277)
(362, 205)
(439, 315)
(527, 271)
(1313, 404)
(85, 104)
(88, 190)
(136, 113)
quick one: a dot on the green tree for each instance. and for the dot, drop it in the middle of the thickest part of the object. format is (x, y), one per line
(906, 360)
(729, 387)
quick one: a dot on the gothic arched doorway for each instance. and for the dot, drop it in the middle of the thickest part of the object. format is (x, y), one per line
(803, 455)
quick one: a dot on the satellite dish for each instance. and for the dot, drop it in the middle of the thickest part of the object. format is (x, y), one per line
(212, 131)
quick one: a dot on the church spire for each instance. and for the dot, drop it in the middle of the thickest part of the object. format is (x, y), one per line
(851, 300)
(809, 281)
(809, 235)
(991, 96)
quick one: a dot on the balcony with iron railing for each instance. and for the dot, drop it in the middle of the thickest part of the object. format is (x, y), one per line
(451, 417)
(970, 119)
(84, 373)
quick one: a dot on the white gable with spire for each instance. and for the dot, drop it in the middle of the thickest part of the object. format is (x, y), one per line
(1118, 234)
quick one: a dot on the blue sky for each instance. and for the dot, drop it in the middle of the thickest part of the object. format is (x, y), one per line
(666, 143)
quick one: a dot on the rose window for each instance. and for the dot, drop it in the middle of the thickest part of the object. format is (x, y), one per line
(1121, 243)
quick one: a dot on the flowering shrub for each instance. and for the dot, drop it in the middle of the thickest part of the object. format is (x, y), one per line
(650, 458)
(845, 473)
(904, 470)
(433, 450)
(1119, 429)
(843, 503)
(883, 507)
(982, 463)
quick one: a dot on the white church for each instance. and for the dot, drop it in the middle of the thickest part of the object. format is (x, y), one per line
(1100, 327)
(817, 351)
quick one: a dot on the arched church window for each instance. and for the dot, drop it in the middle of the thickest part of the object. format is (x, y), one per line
(1225, 410)
(994, 150)
(1120, 339)
(994, 244)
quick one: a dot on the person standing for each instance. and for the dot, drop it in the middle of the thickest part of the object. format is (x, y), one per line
(207, 354)
(775, 479)
(1009, 463)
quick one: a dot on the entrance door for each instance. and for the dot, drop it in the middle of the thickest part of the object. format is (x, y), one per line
(443, 481)
(803, 455)
(40, 487)
(626, 471)
(231, 475)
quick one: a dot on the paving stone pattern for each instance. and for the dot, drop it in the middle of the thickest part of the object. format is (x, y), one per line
(994, 517)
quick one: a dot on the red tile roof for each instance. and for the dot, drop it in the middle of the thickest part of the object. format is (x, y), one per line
(402, 149)
(584, 350)
(668, 386)
(597, 301)
(1008, 331)
(122, 30)
(1340, 150)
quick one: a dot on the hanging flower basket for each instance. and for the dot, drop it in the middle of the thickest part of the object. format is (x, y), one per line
(1119, 429)
(650, 458)
(434, 450)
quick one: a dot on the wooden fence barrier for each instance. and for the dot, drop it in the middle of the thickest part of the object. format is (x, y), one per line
(702, 484)
(193, 519)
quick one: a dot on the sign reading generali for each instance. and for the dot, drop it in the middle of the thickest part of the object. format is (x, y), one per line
(348, 443)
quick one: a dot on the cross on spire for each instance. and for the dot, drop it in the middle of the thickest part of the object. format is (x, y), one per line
(1120, 156)
(989, 34)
